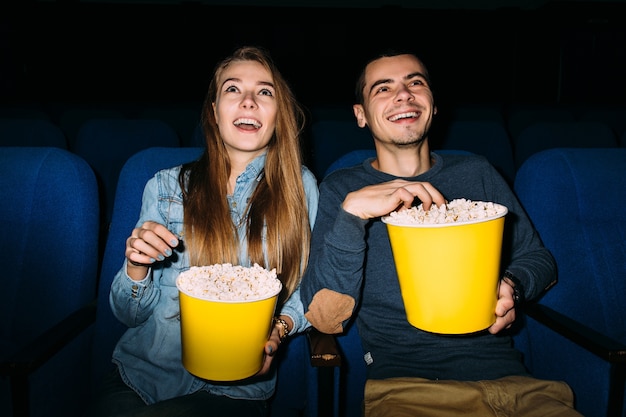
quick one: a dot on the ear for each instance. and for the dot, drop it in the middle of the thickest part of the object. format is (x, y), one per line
(359, 113)
(214, 106)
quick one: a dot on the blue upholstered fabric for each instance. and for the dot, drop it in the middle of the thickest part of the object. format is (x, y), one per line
(49, 258)
(351, 158)
(575, 197)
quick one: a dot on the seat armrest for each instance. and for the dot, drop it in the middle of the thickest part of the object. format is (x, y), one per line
(40, 350)
(593, 341)
(323, 348)
(610, 350)
(28, 359)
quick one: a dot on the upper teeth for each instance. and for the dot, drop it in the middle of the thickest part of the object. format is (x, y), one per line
(247, 122)
(403, 116)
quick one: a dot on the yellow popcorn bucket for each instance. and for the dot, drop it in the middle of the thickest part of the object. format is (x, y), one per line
(224, 340)
(449, 273)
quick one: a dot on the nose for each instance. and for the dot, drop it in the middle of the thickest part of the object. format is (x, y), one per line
(248, 101)
(404, 94)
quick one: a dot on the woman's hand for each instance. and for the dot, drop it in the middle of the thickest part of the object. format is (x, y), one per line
(272, 344)
(147, 244)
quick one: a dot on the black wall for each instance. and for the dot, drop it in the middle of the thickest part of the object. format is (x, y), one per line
(561, 52)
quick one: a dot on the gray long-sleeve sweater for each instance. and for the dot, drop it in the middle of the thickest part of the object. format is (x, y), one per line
(352, 256)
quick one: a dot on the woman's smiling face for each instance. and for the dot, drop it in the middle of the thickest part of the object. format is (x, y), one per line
(245, 107)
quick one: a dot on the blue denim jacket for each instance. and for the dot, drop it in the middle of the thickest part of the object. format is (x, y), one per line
(148, 354)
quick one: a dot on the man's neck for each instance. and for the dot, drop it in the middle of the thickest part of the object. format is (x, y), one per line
(407, 163)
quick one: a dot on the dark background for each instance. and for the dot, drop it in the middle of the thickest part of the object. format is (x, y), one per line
(503, 52)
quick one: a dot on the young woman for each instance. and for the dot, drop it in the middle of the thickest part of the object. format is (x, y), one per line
(248, 199)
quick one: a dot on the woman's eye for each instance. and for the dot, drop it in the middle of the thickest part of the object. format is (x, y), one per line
(266, 92)
(231, 89)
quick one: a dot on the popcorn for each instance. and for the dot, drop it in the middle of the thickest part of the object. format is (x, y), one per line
(456, 211)
(225, 282)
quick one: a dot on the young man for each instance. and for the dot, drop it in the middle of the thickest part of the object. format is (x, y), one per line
(351, 273)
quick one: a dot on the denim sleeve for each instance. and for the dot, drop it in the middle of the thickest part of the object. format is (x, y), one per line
(293, 308)
(132, 302)
(312, 194)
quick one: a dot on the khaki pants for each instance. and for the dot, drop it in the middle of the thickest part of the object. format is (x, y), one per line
(514, 396)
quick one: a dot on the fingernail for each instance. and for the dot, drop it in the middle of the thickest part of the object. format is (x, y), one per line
(161, 257)
(271, 349)
(168, 252)
(152, 260)
(173, 242)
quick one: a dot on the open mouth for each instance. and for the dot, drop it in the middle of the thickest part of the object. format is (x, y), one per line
(407, 115)
(247, 123)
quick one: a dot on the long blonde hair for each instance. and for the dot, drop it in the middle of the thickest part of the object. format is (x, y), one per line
(279, 200)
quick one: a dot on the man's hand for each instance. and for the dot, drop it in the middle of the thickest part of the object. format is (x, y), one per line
(381, 199)
(505, 309)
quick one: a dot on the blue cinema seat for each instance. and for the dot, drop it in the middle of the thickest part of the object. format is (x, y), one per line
(577, 330)
(49, 258)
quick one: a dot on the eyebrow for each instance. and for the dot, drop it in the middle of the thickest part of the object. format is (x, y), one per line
(379, 82)
(416, 74)
(238, 80)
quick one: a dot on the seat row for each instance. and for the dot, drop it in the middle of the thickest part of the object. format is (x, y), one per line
(332, 138)
(59, 332)
(181, 117)
(495, 130)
